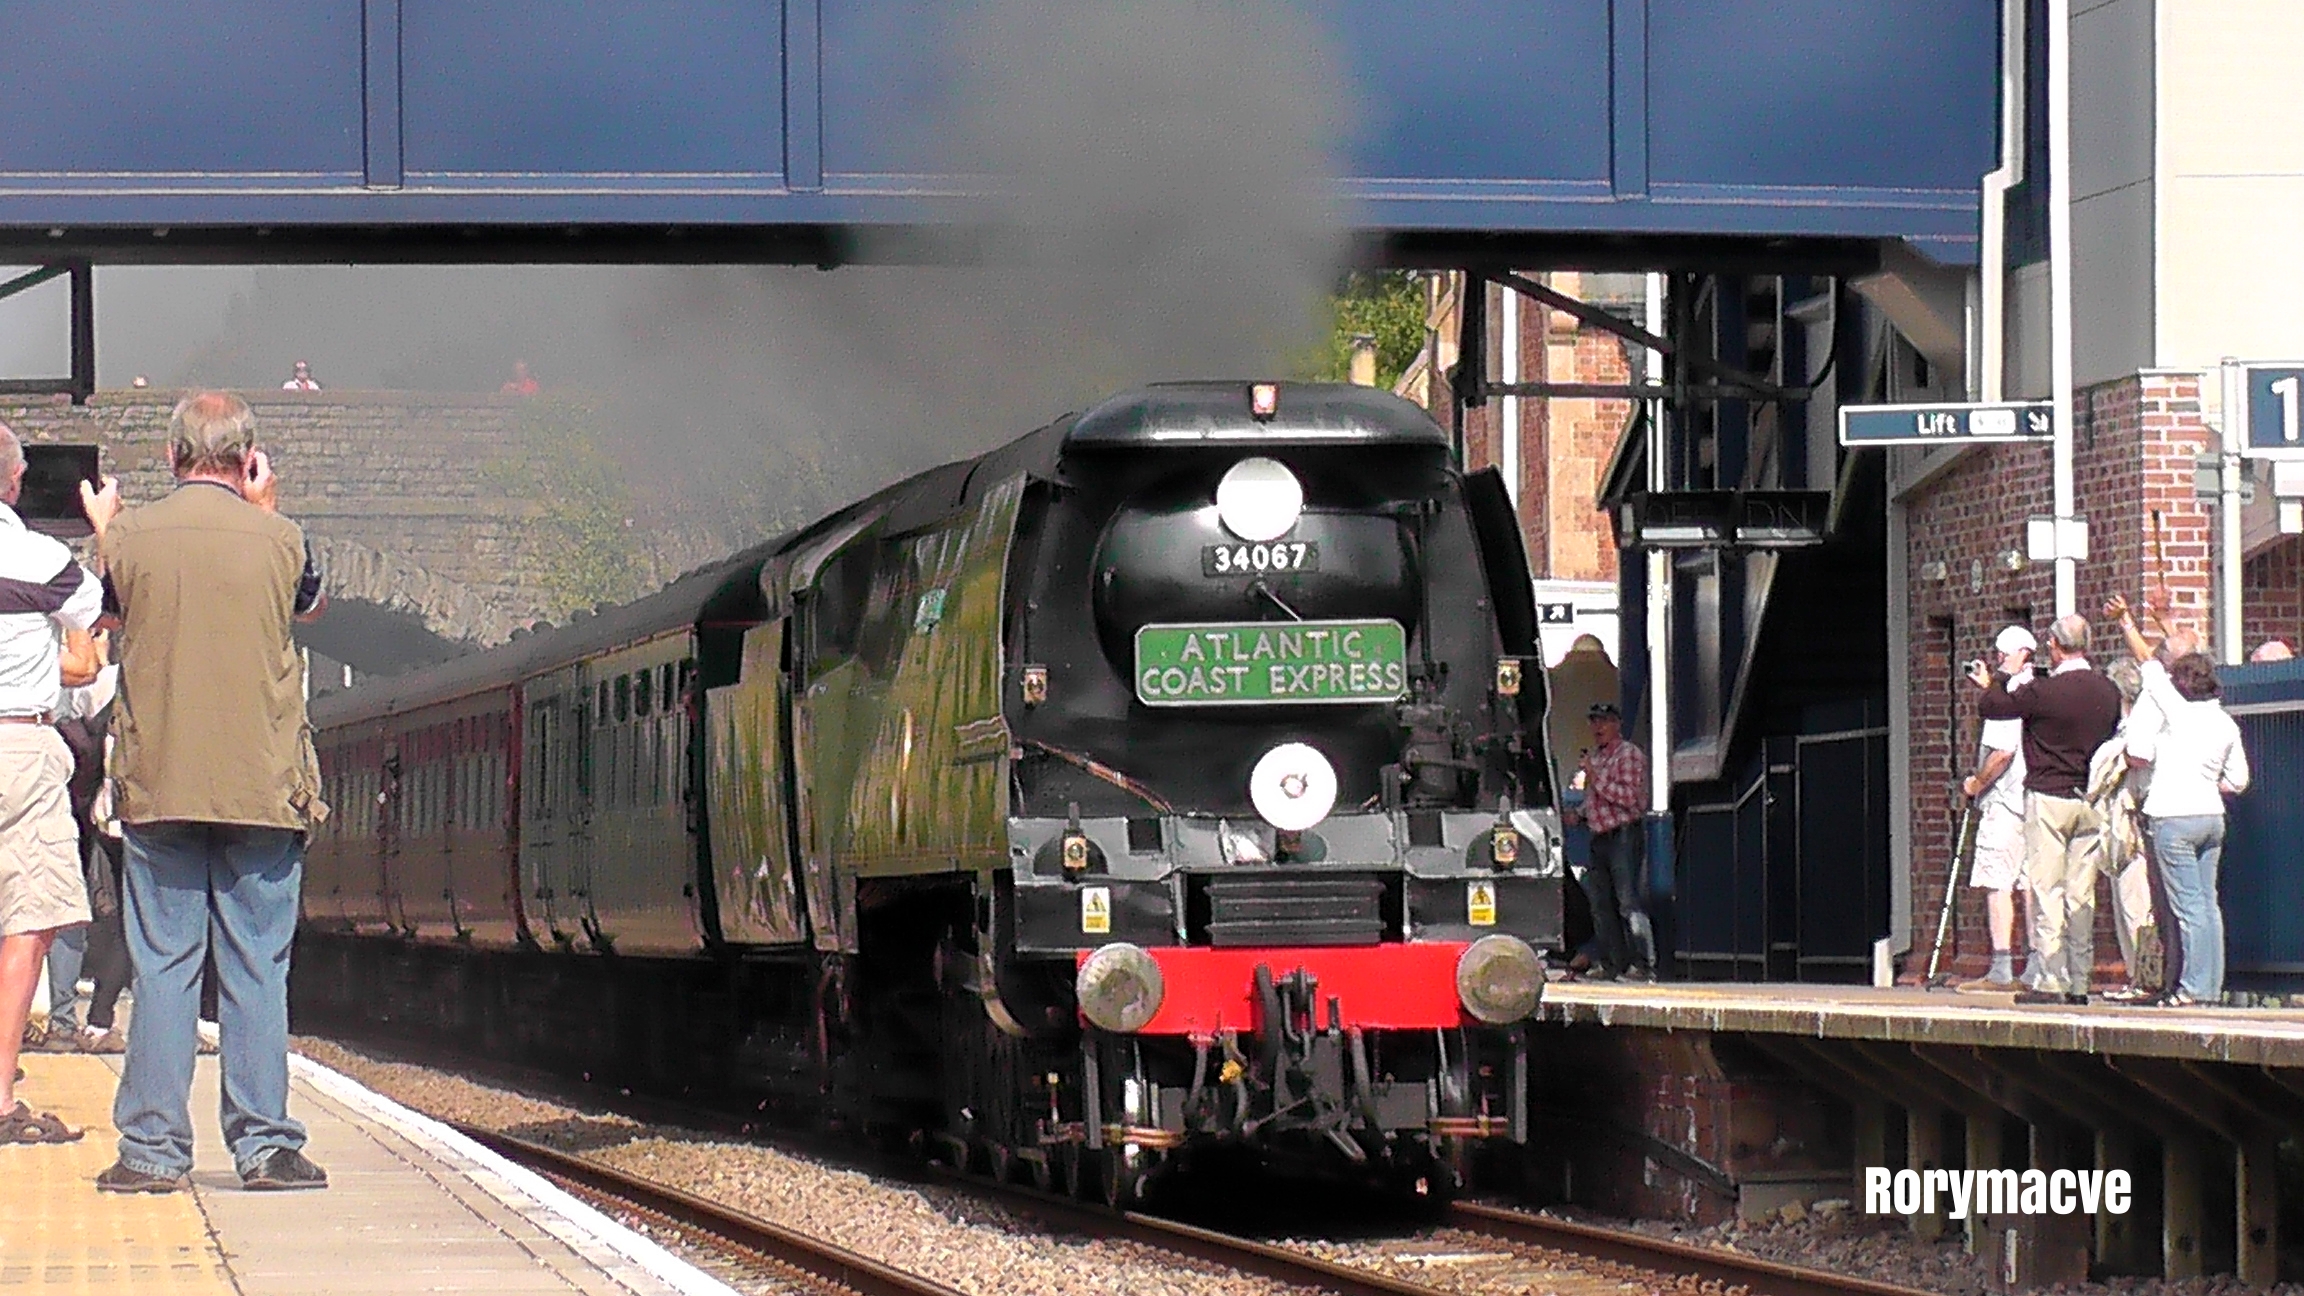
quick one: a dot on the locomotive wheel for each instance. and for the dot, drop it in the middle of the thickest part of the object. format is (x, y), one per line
(1076, 1166)
(1123, 1179)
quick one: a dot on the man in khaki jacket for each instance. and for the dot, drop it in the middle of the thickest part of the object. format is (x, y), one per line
(217, 788)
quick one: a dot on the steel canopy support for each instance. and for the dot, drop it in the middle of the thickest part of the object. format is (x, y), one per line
(1662, 867)
(83, 331)
(2061, 381)
(32, 279)
(81, 384)
(1732, 383)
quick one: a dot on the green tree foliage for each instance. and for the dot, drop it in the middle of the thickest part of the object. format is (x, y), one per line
(578, 537)
(1389, 306)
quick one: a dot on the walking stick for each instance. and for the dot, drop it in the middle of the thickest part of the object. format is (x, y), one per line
(1963, 842)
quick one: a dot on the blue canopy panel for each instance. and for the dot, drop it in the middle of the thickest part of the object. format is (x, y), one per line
(767, 129)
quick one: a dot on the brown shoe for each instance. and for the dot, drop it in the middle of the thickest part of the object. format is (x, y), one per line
(1986, 985)
(93, 1040)
(60, 1039)
(120, 1177)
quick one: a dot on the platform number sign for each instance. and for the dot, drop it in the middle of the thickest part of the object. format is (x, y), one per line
(2274, 408)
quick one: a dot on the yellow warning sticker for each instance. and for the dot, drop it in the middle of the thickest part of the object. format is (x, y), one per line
(1096, 910)
(1480, 904)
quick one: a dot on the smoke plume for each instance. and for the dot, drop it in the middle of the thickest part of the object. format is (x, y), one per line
(1164, 212)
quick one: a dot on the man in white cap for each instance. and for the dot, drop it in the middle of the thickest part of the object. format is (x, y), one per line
(1997, 788)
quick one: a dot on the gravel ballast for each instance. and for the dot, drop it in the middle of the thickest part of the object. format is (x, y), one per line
(942, 1233)
(982, 1248)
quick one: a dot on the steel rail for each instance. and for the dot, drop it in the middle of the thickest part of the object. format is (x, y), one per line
(1261, 1259)
(1761, 1277)
(781, 1248)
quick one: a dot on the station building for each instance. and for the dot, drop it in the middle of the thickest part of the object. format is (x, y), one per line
(1819, 724)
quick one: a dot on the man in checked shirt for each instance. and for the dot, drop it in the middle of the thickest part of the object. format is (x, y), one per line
(1615, 801)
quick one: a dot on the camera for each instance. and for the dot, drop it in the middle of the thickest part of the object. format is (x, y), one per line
(1977, 666)
(50, 502)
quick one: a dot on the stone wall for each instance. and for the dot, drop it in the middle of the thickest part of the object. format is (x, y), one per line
(395, 488)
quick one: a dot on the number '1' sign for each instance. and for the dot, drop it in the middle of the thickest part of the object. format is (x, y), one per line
(2272, 401)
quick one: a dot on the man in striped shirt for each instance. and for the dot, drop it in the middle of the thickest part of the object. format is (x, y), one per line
(46, 600)
(1615, 801)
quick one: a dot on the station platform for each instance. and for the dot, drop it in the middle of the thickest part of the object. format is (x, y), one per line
(2272, 1037)
(411, 1206)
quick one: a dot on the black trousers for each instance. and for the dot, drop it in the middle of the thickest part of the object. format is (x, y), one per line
(106, 962)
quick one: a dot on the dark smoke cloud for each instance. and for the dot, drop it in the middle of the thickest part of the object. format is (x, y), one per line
(1166, 216)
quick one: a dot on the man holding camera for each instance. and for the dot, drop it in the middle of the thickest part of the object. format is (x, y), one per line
(1997, 789)
(217, 787)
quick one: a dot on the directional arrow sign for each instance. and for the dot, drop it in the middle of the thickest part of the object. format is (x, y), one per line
(1882, 425)
(2273, 408)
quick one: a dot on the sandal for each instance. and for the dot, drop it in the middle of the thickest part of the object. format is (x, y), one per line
(27, 1126)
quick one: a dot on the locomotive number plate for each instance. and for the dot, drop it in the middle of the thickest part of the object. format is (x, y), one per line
(1262, 663)
(1251, 559)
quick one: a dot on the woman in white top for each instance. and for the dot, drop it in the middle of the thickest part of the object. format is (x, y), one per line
(2197, 760)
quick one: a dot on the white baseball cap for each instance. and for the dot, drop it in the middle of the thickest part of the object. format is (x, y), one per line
(2016, 639)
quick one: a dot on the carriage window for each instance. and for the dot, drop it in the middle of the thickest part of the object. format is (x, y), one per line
(642, 687)
(603, 701)
(664, 686)
(628, 767)
(623, 698)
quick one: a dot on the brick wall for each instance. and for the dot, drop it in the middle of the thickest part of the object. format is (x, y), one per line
(2132, 472)
(399, 473)
(2272, 594)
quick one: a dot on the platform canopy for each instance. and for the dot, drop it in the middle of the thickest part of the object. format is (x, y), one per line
(782, 130)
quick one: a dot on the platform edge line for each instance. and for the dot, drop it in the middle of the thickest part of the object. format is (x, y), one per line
(423, 1130)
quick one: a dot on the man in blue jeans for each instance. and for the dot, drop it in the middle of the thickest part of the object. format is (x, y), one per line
(1615, 800)
(216, 789)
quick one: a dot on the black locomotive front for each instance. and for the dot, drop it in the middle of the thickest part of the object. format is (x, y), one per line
(1282, 825)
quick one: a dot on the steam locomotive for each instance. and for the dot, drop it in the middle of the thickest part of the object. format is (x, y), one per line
(1169, 779)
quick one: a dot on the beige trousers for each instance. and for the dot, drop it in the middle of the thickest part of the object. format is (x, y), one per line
(2131, 906)
(2063, 852)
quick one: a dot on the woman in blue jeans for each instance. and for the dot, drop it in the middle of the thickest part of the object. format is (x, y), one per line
(2180, 730)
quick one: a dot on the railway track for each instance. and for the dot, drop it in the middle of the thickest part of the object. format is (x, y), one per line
(769, 1249)
(1584, 1257)
(1579, 1257)
(1704, 1265)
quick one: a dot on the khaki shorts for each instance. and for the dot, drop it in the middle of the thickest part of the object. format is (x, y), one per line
(41, 886)
(1999, 851)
